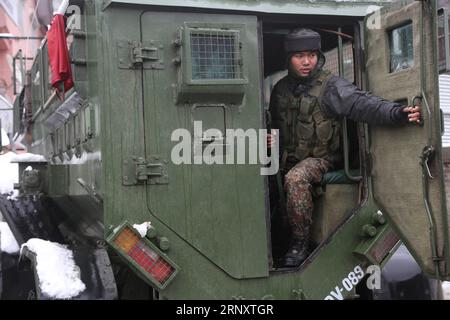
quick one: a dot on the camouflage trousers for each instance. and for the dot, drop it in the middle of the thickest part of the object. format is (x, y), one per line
(298, 183)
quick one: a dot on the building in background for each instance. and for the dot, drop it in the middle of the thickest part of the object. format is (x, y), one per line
(19, 30)
(444, 66)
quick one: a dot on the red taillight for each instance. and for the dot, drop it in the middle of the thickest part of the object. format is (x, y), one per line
(151, 262)
(146, 257)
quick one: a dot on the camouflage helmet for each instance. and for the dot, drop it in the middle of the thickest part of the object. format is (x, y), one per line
(302, 40)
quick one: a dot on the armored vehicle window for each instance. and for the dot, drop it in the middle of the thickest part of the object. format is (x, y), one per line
(401, 48)
(215, 55)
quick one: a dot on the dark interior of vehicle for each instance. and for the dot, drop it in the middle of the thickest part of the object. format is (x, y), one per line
(333, 201)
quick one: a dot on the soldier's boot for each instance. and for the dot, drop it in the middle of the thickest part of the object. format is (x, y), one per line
(297, 252)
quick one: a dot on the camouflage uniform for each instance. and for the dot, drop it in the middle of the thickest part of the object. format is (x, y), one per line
(298, 183)
(309, 143)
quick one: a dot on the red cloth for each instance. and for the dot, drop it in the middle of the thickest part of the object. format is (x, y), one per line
(58, 55)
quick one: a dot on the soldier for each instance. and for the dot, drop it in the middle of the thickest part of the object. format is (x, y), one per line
(307, 106)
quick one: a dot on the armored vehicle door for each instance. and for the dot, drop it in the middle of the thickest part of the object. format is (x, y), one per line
(201, 77)
(407, 171)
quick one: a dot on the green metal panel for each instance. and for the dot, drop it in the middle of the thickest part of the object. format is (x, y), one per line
(412, 199)
(214, 216)
(121, 117)
(304, 7)
(219, 209)
(328, 273)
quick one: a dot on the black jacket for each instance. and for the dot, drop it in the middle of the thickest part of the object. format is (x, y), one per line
(340, 99)
(343, 99)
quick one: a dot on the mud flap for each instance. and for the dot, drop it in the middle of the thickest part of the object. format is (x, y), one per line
(406, 162)
(28, 218)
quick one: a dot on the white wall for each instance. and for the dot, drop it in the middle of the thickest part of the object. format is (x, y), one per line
(444, 97)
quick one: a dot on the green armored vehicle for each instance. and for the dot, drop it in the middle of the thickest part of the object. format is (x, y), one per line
(144, 69)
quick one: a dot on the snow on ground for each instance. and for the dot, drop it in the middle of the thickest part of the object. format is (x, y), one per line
(142, 228)
(59, 276)
(7, 240)
(9, 170)
(28, 157)
(446, 290)
(5, 139)
(9, 174)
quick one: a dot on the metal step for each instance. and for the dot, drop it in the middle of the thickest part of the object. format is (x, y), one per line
(95, 270)
(27, 219)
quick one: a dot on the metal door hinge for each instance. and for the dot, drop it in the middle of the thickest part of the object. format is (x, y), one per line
(133, 54)
(141, 171)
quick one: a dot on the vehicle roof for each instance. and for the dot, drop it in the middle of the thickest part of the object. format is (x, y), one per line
(306, 7)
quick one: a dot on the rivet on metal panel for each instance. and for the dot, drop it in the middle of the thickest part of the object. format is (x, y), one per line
(378, 218)
(369, 230)
(151, 232)
(299, 294)
(164, 243)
